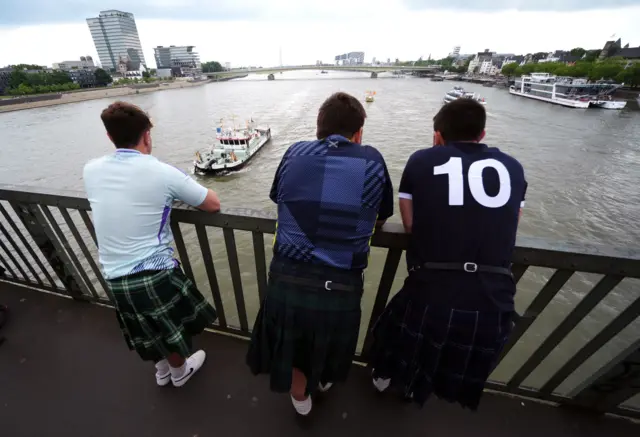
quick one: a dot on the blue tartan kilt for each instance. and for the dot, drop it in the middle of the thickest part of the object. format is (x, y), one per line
(308, 328)
(427, 348)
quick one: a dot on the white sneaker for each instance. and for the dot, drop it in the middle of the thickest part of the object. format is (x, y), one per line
(192, 365)
(381, 384)
(163, 379)
(325, 388)
(303, 408)
(163, 373)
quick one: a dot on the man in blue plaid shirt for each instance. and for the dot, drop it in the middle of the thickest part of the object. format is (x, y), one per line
(331, 193)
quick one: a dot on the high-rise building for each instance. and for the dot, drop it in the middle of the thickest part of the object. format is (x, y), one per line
(182, 57)
(115, 36)
(455, 53)
(351, 58)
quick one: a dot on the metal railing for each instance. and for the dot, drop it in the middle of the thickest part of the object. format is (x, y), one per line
(47, 241)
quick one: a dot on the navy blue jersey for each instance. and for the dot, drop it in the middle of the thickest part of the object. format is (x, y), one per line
(330, 193)
(466, 202)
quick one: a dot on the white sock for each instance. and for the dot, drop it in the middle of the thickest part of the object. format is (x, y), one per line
(179, 372)
(162, 367)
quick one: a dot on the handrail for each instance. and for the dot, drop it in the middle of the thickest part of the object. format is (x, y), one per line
(47, 241)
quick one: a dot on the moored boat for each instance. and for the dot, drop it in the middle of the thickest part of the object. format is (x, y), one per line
(233, 148)
(567, 91)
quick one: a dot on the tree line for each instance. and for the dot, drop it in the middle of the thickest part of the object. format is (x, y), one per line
(212, 67)
(447, 63)
(40, 81)
(615, 69)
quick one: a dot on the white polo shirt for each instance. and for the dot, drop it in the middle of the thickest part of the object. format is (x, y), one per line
(131, 196)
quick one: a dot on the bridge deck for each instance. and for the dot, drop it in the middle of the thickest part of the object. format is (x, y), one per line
(65, 371)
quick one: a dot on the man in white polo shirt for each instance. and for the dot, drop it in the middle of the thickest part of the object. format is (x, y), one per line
(158, 308)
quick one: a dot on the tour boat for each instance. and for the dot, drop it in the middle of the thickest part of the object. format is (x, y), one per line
(233, 148)
(567, 91)
(369, 96)
(459, 93)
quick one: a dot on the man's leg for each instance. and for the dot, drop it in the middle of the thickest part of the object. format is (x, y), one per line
(182, 369)
(301, 401)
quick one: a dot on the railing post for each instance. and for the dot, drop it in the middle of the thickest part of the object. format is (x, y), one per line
(47, 246)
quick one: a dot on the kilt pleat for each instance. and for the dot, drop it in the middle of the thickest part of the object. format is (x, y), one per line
(427, 349)
(309, 328)
(159, 311)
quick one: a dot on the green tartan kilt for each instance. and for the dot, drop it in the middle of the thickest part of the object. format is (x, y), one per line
(159, 311)
(310, 328)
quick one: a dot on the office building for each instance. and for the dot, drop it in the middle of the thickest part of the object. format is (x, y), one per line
(85, 62)
(182, 57)
(351, 58)
(455, 53)
(115, 36)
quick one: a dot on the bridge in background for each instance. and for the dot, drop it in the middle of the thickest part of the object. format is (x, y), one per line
(373, 69)
(64, 365)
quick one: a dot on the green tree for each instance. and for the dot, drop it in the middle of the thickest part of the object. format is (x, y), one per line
(102, 77)
(16, 78)
(211, 67)
(630, 76)
(28, 67)
(509, 69)
(605, 70)
(578, 51)
(591, 55)
(146, 75)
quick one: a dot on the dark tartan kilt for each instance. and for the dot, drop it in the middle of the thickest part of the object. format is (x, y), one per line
(309, 328)
(159, 312)
(427, 349)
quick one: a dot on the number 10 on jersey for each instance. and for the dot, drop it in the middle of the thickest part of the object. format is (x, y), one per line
(453, 169)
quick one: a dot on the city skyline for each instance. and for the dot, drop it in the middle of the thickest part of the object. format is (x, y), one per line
(405, 31)
(115, 37)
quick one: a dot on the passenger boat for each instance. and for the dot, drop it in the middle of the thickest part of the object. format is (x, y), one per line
(368, 97)
(459, 93)
(567, 91)
(233, 148)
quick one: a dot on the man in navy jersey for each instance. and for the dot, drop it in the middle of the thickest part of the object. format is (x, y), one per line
(461, 202)
(331, 193)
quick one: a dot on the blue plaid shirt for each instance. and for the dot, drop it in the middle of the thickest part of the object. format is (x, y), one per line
(330, 193)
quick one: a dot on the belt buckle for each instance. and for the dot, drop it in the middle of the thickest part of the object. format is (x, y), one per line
(470, 267)
(326, 285)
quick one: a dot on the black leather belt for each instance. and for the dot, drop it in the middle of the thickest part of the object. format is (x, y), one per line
(327, 285)
(467, 267)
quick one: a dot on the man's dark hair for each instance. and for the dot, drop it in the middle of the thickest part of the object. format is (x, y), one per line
(125, 124)
(341, 114)
(461, 120)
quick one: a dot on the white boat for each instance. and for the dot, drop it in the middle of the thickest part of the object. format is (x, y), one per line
(567, 91)
(233, 148)
(608, 104)
(369, 96)
(459, 93)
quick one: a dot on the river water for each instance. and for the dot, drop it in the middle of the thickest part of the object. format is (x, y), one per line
(582, 166)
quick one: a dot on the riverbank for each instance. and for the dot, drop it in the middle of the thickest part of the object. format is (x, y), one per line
(102, 93)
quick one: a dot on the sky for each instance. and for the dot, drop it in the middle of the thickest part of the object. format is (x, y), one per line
(253, 32)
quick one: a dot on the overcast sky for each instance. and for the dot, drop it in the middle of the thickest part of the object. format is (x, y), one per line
(251, 32)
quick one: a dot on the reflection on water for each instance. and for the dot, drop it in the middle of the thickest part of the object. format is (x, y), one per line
(581, 165)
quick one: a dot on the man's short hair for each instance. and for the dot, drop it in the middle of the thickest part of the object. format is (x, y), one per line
(125, 124)
(341, 114)
(461, 120)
